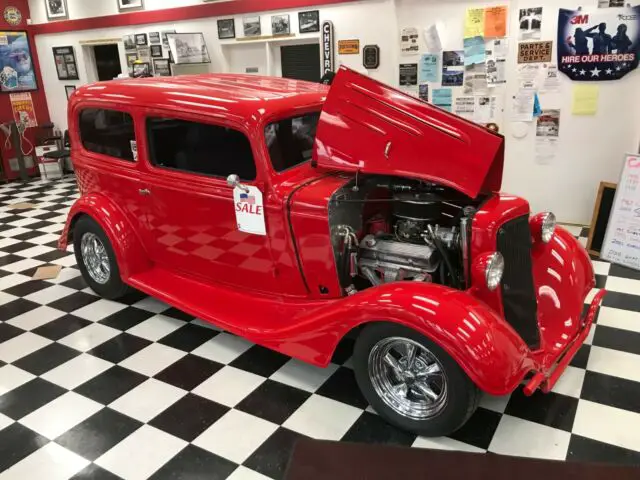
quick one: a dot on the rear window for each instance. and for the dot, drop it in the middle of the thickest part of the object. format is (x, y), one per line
(290, 141)
(108, 132)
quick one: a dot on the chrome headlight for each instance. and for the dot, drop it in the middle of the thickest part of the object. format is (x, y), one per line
(548, 227)
(494, 270)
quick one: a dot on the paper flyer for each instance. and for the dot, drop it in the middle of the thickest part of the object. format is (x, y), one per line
(496, 62)
(409, 41)
(530, 24)
(522, 105)
(408, 74)
(474, 50)
(423, 92)
(547, 136)
(442, 98)
(530, 75)
(465, 107)
(452, 68)
(551, 79)
(495, 21)
(484, 109)
(474, 23)
(475, 78)
(23, 110)
(432, 39)
(585, 99)
(428, 68)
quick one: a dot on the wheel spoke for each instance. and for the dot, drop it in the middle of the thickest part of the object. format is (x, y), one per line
(393, 363)
(433, 369)
(401, 390)
(425, 390)
(412, 353)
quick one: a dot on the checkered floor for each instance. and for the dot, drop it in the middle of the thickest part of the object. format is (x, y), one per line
(91, 388)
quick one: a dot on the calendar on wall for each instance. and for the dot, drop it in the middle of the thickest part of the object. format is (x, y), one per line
(622, 240)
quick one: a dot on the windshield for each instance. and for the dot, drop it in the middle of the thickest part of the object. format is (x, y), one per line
(290, 141)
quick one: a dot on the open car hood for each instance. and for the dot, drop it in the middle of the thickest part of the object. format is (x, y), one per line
(369, 127)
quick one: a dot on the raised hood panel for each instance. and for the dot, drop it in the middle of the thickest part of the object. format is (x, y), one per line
(371, 127)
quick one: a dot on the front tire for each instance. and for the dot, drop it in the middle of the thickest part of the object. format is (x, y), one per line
(96, 259)
(411, 381)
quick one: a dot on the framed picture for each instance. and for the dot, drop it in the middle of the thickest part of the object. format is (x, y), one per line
(144, 54)
(16, 67)
(162, 67)
(251, 26)
(141, 39)
(280, 25)
(127, 5)
(154, 37)
(309, 21)
(129, 42)
(226, 28)
(188, 48)
(156, 50)
(141, 70)
(69, 89)
(65, 59)
(165, 40)
(131, 58)
(56, 9)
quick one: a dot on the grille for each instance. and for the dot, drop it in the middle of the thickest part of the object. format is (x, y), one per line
(518, 291)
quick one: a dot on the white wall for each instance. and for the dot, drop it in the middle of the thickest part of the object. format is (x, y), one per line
(592, 147)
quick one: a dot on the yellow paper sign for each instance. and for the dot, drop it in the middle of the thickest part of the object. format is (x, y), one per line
(474, 23)
(495, 21)
(585, 99)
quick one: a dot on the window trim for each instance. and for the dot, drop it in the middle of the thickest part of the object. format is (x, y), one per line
(149, 114)
(103, 156)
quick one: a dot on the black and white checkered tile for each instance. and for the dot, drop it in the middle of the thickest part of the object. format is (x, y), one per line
(91, 388)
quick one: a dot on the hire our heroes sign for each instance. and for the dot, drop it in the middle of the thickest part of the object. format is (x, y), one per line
(249, 208)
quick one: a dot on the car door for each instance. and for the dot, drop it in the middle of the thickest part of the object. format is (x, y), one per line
(191, 219)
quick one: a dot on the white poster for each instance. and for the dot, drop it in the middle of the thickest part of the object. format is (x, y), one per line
(485, 109)
(530, 23)
(409, 44)
(522, 105)
(249, 210)
(432, 39)
(530, 75)
(550, 79)
(622, 240)
(497, 50)
(465, 107)
(475, 78)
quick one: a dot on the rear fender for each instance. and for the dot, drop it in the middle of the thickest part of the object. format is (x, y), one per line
(130, 254)
(484, 345)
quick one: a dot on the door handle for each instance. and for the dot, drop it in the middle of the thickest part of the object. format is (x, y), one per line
(144, 191)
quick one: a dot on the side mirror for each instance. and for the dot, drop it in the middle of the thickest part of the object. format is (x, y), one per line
(233, 181)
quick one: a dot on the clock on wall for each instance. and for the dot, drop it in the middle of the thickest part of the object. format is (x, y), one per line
(12, 16)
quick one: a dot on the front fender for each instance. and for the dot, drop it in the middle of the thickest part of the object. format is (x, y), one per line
(480, 341)
(129, 251)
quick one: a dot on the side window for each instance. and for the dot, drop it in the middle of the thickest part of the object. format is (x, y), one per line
(108, 132)
(290, 141)
(200, 148)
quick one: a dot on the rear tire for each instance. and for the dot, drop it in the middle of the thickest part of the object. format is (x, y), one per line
(96, 259)
(411, 381)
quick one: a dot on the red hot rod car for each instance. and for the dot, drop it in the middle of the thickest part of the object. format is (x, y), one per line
(293, 214)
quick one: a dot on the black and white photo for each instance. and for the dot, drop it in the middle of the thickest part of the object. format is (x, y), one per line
(127, 5)
(129, 42)
(154, 37)
(141, 39)
(56, 9)
(141, 70)
(69, 89)
(530, 24)
(131, 58)
(165, 40)
(188, 48)
(226, 28)
(251, 26)
(156, 50)
(162, 67)
(280, 25)
(309, 21)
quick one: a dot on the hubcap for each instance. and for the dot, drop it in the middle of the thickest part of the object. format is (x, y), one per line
(408, 378)
(95, 258)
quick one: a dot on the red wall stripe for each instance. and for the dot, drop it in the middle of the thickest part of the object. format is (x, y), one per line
(177, 14)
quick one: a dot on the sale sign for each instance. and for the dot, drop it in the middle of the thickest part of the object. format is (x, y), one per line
(247, 201)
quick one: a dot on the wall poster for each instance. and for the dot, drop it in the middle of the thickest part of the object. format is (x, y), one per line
(547, 136)
(408, 74)
(622, 240)
(409, 41)
(328, 56)
(428, 68)
(23, 110)
(530, 24)
(452, 68)
(66, 66)
(598, 45)
(534, 52)
(16, 68)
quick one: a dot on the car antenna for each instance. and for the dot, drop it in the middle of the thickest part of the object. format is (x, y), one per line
(356, 188)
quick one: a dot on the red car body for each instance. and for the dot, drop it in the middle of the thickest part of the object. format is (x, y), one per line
(281, 290)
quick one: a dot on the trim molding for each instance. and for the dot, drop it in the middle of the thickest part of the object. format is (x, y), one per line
(176, 14)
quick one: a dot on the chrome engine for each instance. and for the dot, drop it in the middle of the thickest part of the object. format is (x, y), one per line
(383, 259)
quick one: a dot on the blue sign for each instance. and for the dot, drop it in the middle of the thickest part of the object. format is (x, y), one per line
(16, 66)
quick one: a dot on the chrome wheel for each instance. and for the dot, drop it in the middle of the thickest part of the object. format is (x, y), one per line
(408, 378)
(95, 258)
